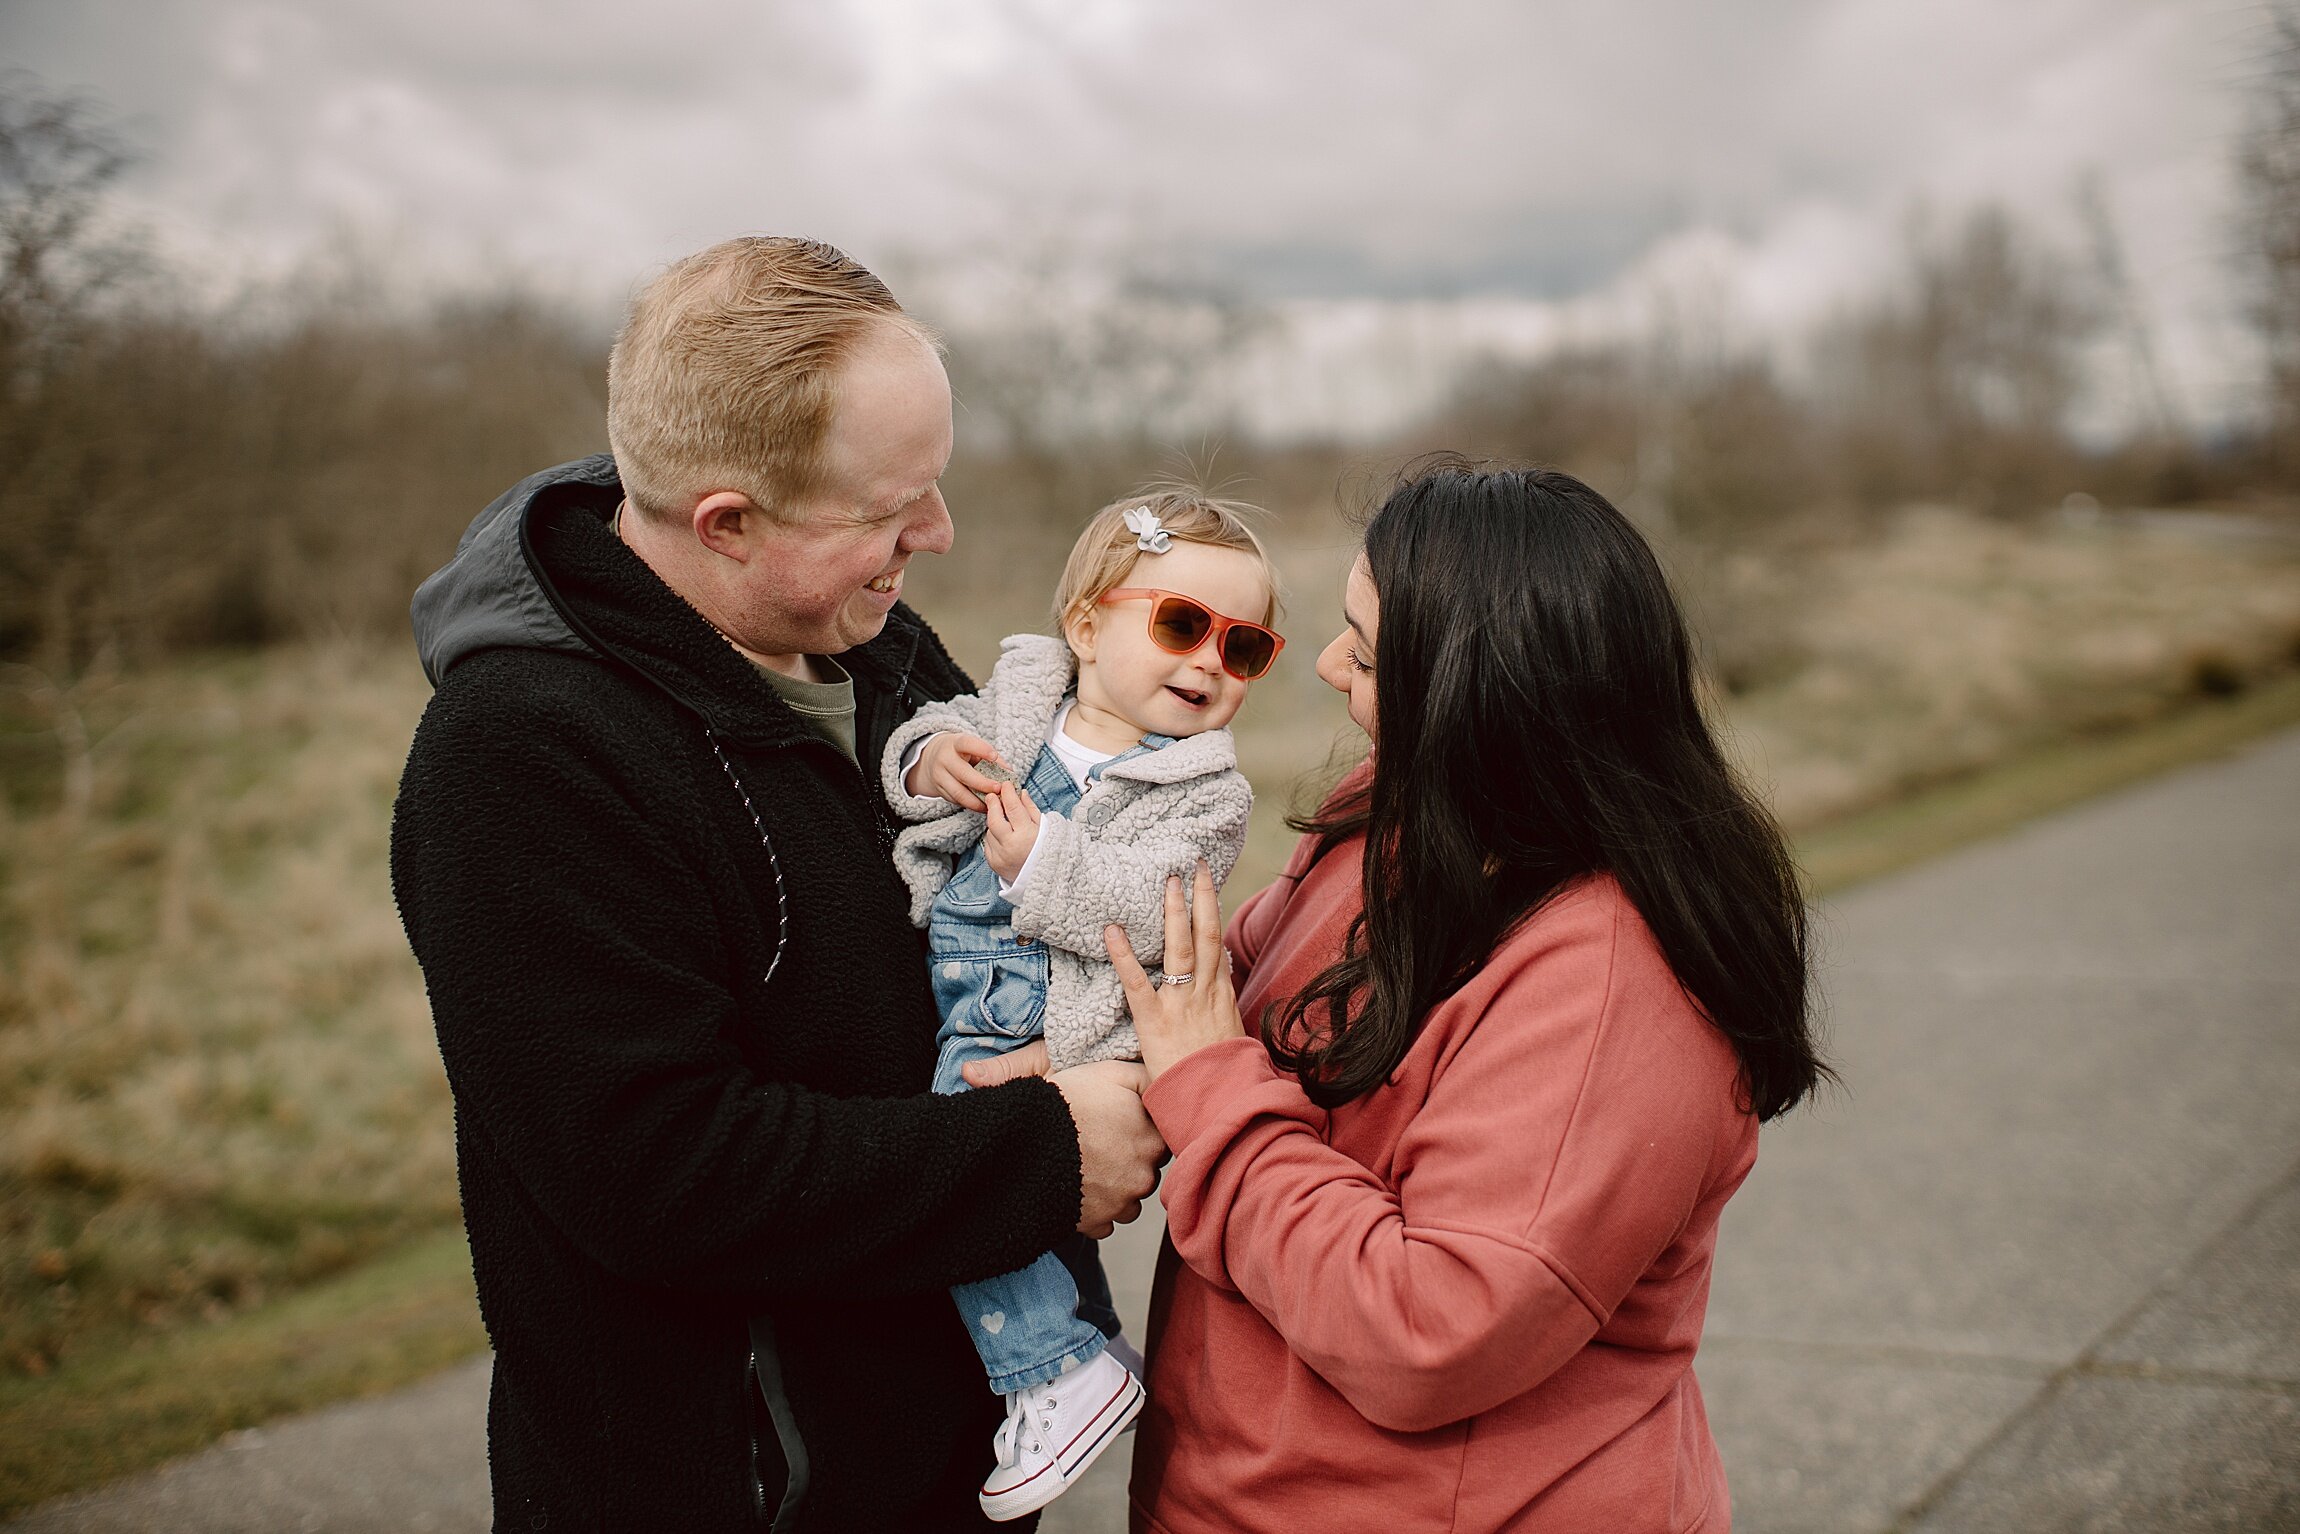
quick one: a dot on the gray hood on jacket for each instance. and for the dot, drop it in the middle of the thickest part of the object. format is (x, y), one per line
(489, 596)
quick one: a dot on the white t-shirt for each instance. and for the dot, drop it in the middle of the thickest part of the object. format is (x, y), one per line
(1077, 759)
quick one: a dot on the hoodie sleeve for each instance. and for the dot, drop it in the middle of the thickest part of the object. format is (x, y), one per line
(578, 985)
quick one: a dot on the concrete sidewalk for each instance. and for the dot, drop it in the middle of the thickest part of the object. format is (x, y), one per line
(2036, 1268)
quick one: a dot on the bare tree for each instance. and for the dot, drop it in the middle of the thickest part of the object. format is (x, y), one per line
(57, 160)
(1960, 384)
(2268, 167)
(57, 259)
(2125, 311)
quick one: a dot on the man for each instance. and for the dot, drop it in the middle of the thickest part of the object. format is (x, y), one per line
(713, 1209)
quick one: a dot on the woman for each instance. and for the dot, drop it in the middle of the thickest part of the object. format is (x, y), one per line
(1453, 1127)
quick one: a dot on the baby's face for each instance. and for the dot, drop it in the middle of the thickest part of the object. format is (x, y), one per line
(1122, 670)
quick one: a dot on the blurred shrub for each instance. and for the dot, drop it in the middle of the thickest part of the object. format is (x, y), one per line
(1580, 409)
(179, 482)
(1715, 452)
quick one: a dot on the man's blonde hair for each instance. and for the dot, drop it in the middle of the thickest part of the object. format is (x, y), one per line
(1104, 555)
(721, 377)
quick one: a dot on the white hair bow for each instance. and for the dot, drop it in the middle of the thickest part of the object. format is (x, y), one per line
(1149, 536)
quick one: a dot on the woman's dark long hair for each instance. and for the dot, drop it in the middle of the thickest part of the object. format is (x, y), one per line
(1536, 722)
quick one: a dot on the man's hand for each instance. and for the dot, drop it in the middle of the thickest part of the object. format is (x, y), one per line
(946, 769)
(1119, 1151)
(1011, 831)
(997, 1070)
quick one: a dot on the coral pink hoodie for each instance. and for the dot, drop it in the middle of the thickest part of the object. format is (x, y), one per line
(1470, 1299)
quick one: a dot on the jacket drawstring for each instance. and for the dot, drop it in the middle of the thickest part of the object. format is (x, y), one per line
(782, 899)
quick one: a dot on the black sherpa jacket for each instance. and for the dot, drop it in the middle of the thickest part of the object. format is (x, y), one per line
(674, 1171)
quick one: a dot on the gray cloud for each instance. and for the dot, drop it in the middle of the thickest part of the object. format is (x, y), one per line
(1294, 149)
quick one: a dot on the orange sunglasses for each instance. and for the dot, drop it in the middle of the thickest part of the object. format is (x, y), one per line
(1179, 624)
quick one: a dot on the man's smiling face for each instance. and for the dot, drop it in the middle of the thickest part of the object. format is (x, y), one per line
(828, 567)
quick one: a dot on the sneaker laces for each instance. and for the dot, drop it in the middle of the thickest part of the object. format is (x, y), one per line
(1022, 1429)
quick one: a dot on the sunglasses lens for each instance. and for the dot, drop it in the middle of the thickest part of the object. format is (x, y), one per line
(1179, 625)
(1248, 651)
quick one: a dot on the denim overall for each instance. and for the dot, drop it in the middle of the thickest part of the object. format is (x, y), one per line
(990, 987)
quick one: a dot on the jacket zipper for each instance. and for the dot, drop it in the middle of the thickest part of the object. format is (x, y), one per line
(767, 1376)
(751, 1426)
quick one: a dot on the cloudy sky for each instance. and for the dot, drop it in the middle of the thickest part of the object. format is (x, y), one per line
(1479, 170)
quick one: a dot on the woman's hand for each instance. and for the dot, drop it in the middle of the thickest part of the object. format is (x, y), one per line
(1182, 1015)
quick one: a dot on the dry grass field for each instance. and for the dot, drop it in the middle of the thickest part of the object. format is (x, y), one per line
(217, 1081)
(1956, 641)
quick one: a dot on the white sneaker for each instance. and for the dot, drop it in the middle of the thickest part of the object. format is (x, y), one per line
(1053, 1431)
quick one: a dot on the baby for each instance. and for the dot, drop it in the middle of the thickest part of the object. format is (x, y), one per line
(1121, 773)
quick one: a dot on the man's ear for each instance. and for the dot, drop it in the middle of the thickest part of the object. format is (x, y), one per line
(725, 521)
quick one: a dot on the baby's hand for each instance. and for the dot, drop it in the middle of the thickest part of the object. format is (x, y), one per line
(1012, 829)
(946, 770)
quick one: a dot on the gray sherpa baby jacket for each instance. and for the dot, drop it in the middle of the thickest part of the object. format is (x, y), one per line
(1146, 817)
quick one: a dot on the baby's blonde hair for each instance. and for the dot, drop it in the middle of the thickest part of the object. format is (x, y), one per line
(1104, 555)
